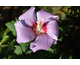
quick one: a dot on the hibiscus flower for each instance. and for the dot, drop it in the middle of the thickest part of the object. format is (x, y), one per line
(42, 26)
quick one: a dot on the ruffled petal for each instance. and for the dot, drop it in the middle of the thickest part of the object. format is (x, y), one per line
(42, 42)
(45, 16)
(50, 26)
(24, 34)
(29, 16)
(52, 30)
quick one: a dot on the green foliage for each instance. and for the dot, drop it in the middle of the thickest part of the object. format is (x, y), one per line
(65, 56)
(51, 50)
(5, 38)
(60, 28)
(11, 45)
(46, 8)
(11, 26)
(61, 31)
(28, 52)
(1, 33)
(63, 16)
(70, 57)
(22, 47)
(18, 50)
(0, 48)
(56, 9)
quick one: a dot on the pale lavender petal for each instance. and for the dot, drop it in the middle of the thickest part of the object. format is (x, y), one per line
(42, 42)
(45, 16)
(24, 34)
(51, 24)
(29, 16)
(52, 30)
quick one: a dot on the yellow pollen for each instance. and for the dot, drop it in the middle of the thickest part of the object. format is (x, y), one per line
(39, 28)
(38, 25)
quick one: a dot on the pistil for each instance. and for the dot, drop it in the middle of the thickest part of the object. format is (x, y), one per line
(39, 28)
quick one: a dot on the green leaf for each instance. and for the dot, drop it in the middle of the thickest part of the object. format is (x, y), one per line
(16, 19)
(56, 9)
(60, 39)
(60, 56)
(5, 38)
(73, 12)
(63, 16)
(18, 50)
(24, 46)
(77, 10)
(65, 56)
(29, 52)
(11, 26)
(51, 50)
(1, 33)
(70, 57)
(0, 48)
(61, 31)
(11, 45)
(61, 28)
(7, 31)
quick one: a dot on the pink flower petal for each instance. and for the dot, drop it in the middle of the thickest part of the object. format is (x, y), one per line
(29, 16)
(24, 34)
(42, 42)
(45, 16)
(51, 25)
(52, 30)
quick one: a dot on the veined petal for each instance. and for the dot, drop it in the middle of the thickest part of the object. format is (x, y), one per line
(45, 16)
(29, 16)
(42, 42)
(52, 30)
(24, 34)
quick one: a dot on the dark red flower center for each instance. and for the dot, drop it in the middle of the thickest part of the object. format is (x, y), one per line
(38, 28)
